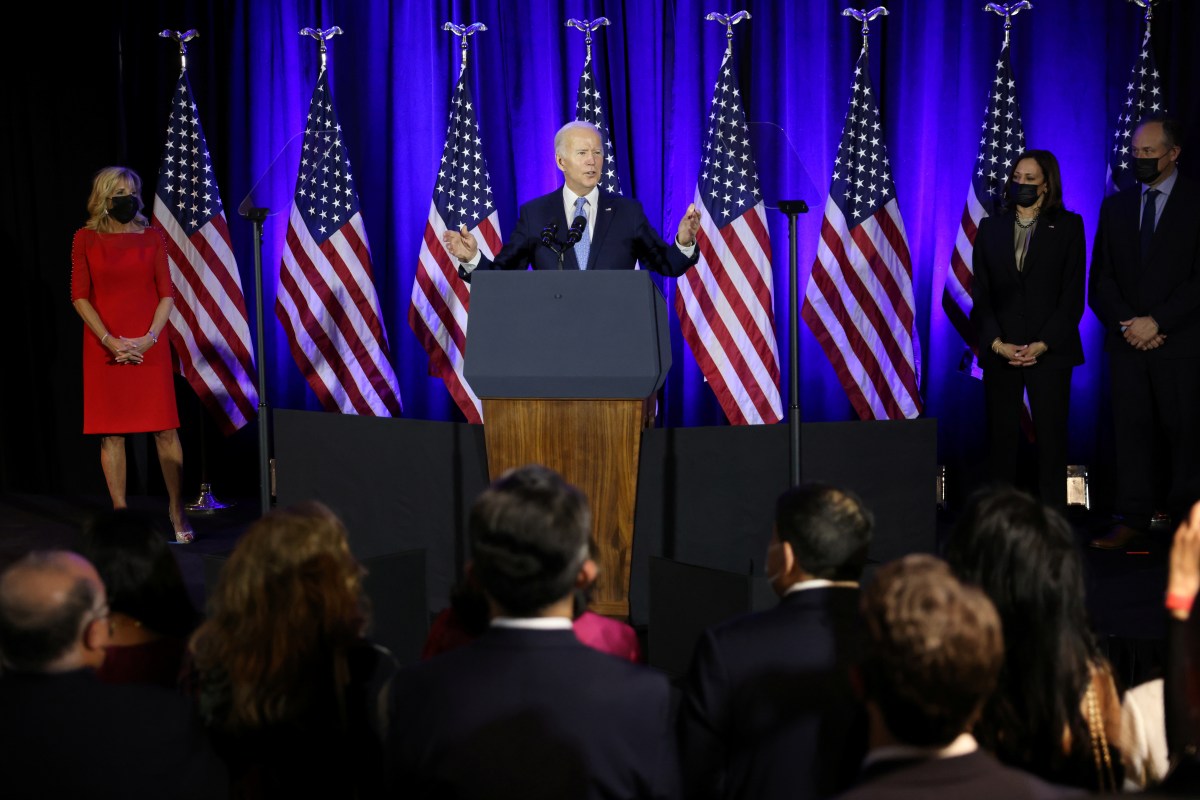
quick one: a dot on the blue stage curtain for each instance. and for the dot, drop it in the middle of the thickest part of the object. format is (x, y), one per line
(393, 69)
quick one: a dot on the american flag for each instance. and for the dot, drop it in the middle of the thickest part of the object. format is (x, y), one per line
(326, 297)
(591, 107)
(1001, 141)
(440, 299)
(1143, 97)
(724, 303)
(859, 300)
(210, 332)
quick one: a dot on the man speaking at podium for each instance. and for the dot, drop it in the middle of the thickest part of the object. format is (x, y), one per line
(606, 231)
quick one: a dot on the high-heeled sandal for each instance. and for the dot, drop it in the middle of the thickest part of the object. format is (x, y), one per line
(185, 537)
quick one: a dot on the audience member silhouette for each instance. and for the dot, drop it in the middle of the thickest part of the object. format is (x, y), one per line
(63, 733)
(150, 613)
(526, 710)
(1056, 711)
(935, 652)
(281, 671)
(1182, 690)
(768, 710)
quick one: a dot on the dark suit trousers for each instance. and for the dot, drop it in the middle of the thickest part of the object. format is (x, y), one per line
(1147, 393)
(1049, 403)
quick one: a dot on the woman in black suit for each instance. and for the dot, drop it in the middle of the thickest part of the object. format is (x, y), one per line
(1028, 300)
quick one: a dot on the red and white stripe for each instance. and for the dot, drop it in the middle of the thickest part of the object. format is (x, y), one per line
(209, 327)
(859, 305)
(725, 311)
(440, 300)
(956, 293)
(330, 312)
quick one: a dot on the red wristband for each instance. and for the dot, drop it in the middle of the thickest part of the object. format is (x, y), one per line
(1180, 602)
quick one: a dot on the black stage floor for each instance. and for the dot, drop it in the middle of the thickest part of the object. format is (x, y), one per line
(1125, 587)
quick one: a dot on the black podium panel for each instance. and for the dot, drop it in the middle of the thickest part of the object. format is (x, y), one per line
(568, 335)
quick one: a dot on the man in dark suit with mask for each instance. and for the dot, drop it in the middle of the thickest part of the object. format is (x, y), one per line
(613, 234)
(1145, 290)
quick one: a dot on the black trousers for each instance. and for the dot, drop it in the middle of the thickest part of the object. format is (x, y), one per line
(1154, 398)
(1049, 391)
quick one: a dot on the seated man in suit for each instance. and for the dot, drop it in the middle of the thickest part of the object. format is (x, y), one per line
(769, 710)
(616, 233)
(63, 733)
(934, 655)
(526, 710)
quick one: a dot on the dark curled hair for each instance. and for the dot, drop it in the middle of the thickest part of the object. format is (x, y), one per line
(529, 534)
(140, 574)
(934, 653)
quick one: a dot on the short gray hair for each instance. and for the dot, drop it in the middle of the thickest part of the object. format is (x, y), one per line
(573, 125)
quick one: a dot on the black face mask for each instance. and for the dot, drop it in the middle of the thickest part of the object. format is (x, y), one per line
(1146, 169)
(1023, 194)
(124, 208)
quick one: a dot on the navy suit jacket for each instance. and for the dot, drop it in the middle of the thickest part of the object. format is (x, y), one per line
(622, 237)
(768, 710)
(975, 776)
(1165, 285)
(1041, 303)
(530, 714)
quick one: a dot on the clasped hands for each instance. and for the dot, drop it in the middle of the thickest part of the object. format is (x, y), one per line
(1020, 355)
(1142, 333)
(128, 351)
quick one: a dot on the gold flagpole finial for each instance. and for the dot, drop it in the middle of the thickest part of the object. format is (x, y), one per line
(465, 31)
(728, 20)
(865, 18)
(1008, 12)
(183, 38)
(587, 26)
(322, 36)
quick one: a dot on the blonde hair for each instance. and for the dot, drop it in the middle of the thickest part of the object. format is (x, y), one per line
(104, 186)
(288, 603)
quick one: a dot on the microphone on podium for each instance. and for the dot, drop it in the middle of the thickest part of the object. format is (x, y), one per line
(578, 226)
(548, 234)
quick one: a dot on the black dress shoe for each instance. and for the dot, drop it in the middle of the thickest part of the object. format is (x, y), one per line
(1118, 536)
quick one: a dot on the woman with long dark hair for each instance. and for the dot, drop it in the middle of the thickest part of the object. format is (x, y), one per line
(151, 615)
(1056, 710)
(1027, 295)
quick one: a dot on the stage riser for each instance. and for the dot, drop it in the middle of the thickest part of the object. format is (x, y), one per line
(705, 495)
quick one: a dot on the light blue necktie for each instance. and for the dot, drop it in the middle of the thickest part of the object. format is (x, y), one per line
(584, 244)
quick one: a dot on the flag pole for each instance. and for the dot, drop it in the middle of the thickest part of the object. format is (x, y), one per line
(205, 502)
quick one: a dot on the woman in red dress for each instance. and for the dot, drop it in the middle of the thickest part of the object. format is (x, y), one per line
(121, 287)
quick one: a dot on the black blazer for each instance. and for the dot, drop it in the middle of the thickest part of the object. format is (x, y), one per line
(622, 237)
(530, 714)
(768, 710)
(1041, 303)
(976, 776)
(1165, 286)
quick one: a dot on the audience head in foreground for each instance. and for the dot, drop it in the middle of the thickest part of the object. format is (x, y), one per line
(63, 733)
(1056, 695)
(530, 532)
(526, 710)
(821, 533)
(934, 653)
(769, 710)
(284, 676)
(53, 614)
(151, 613)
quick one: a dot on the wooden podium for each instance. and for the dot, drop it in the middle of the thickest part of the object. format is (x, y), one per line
(568, 365)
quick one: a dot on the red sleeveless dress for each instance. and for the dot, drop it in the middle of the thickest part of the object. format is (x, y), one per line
(123, 276)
